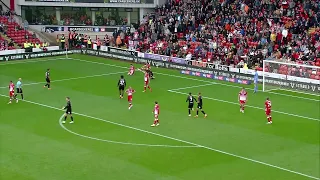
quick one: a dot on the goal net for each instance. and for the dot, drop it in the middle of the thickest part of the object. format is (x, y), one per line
(281, 76)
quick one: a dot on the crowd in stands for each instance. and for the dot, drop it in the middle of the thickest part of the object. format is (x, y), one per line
(12, 33)
(232, 31)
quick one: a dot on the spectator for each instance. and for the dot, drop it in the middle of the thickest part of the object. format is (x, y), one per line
(34, 36)
(231, 30)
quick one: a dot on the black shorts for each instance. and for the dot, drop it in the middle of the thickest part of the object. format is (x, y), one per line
(121, 88)
(48, 80)
(199, 106)
(19, 90)
(190, 106)
(68, 111)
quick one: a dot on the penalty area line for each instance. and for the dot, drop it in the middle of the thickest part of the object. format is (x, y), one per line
(119, 142)
(180, 140)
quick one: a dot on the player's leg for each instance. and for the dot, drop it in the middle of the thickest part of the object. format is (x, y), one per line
(189, 109)
(242, 106)
(10, 98)
(204, 113)
(130, 102)
(255, 87)
(49, 84)
(21, 93)
(197, 112)
(120, 92)
(145, 86)
(65, 117)
(71, 117)
(269, 118)
(156, 121)
(46, 85)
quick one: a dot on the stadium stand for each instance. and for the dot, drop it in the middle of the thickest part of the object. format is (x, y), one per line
(14, 33)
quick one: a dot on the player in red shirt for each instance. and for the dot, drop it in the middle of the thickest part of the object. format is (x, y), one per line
(11, 92)
(267, 105)
(146, 82)
(147, 68)
(131, 70)
(130, 92)
(156, 112)
(242, 97)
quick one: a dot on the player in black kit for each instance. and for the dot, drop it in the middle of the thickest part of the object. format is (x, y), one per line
(47, 79)
(199, 106)
(190, 100)
(121, 85)
(68, 109)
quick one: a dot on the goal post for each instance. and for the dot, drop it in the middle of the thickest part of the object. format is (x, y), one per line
(285, 76)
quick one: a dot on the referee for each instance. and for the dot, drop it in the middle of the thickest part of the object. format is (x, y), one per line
(121, 85)
(47, 74)
(190, 100)
(68, 109)
(19, 89)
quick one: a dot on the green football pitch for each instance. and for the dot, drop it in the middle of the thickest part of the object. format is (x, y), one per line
(108, 141)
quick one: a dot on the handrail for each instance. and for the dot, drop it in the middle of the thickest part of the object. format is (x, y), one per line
(5, 5)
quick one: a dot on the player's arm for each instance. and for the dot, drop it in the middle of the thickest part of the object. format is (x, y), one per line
(194, 99)
(118, 83)
(188, 99)
(65, 107)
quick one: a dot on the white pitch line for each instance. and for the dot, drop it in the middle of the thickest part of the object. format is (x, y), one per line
(189, 87)
(229, 102)
(298, 92)
(68, 79)
(118, 142)
(29, 61)
(289, 114)
(298, 97)
(180, 140)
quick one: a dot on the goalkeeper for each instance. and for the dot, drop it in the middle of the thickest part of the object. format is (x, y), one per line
(255, 81)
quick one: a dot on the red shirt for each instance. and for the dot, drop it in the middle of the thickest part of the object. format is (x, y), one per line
(156, 109)
(267, 105)
(130, 92)
(11, 87)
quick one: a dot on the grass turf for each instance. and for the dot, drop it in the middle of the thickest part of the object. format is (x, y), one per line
(110, 142)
